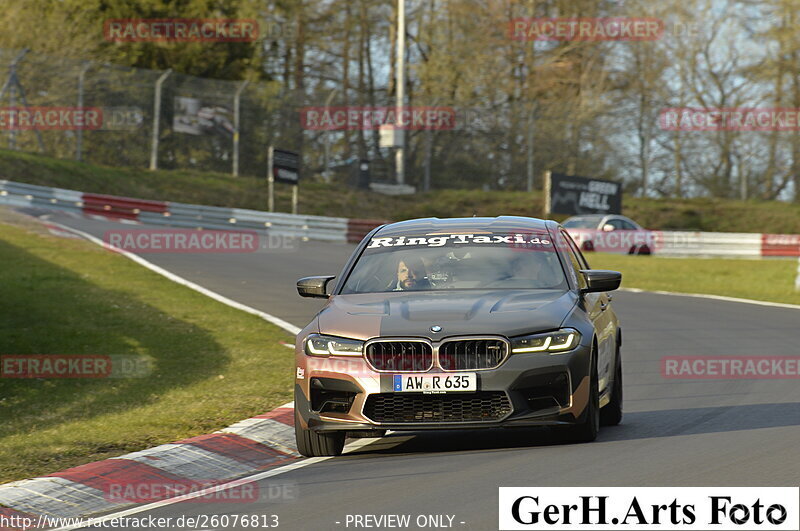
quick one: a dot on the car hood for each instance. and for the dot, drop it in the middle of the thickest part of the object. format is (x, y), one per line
(503, 312)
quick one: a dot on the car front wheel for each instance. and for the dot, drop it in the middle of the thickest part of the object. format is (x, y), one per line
(611, 414)
(317, 444)
(588, 428)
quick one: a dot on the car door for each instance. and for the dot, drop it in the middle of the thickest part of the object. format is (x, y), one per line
(598, 308)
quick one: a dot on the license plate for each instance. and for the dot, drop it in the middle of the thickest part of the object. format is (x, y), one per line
(435, 383)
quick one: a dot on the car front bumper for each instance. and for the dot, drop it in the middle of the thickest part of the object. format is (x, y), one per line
(532, 389)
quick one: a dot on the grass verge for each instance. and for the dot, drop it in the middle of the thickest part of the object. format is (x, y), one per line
(213, 365)
(763, 280)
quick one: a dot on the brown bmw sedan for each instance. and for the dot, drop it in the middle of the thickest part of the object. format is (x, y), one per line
(459, 323)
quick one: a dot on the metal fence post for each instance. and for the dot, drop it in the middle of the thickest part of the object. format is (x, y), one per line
(236, 128)
(529, 149)
(547, 189)
(12, 131)
(79, 132)
(326, 174)
(12, 84)
(400, 171)
(14, 87)
(270, 180)
(156, 119)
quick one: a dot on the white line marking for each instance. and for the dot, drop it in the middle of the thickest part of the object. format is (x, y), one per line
(355, 445)
(220, 298)
(277, 321)
(715, 297)
(360, 443)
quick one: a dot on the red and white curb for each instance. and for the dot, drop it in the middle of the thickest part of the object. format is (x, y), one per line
(246, 447)
(252, 446)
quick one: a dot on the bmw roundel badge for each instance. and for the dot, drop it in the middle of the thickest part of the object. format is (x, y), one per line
(436, 328)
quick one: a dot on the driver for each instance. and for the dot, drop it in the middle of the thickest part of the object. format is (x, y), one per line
(410, 275)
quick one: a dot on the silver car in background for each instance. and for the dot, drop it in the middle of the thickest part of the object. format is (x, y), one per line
(609, 233)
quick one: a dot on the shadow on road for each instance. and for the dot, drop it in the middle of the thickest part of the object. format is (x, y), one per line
(641, 425)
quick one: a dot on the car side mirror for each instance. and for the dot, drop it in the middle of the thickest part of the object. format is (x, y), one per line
(598, 280)
(608, 227)
(314, 286)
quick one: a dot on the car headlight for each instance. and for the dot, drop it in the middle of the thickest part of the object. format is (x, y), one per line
(560, 341)
(318, 345)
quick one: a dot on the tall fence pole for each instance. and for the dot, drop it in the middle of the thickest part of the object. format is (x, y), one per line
(326, 174)
(547, 188)
(426, 182)
(156, 119)
(400, 88)
(79, 132)
(270, 181)
(11, 85)
(12, 103)
(529, 149)
(236, 128)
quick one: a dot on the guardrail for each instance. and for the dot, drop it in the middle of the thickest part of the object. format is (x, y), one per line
(688, 244)
(120, 207)
(664, 243)
(358, 228)
(30, 195)
(185, 215)
(708, 244)
(208, 217)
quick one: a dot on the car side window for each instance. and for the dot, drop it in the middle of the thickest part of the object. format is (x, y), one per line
(618, 224)
(576, 259)
(578, 254)
(627, 225)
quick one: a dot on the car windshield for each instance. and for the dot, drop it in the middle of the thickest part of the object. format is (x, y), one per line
(588, 222)
(427, 262)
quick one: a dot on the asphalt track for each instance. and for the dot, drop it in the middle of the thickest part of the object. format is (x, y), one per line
(675, 432)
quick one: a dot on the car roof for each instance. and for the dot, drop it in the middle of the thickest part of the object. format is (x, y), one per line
(496, 224)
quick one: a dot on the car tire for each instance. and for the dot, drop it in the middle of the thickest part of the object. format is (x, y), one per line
(589, 427)
(611, 414)
(317, 444)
